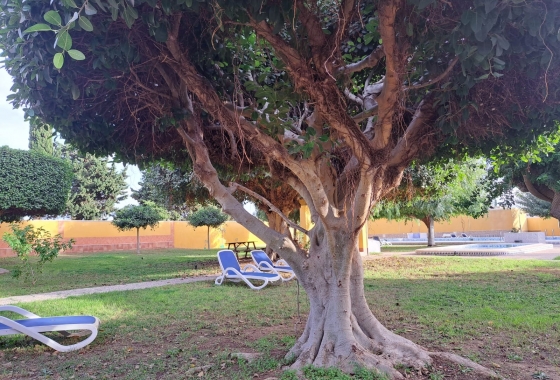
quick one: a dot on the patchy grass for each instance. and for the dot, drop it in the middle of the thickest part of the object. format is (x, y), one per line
(111, 268)
(557, 258)
(500, 313)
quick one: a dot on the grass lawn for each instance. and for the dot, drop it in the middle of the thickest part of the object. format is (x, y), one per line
(110, 268)
(504, 314)
(401, 248)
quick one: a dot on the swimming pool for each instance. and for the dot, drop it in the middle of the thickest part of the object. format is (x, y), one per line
(483, 249)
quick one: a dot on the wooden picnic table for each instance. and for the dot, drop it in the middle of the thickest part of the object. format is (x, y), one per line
(241, 246)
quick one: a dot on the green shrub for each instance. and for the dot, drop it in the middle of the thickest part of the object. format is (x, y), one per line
(33, 184)
(34, 247)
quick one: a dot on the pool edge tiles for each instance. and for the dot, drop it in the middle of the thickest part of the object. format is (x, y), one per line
(472, 250)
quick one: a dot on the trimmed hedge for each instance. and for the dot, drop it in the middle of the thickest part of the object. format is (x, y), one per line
(32, 184)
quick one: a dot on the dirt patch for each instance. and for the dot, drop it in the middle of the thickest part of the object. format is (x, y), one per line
(4, 271)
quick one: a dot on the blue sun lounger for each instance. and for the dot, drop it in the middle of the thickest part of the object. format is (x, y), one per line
(232, 271)
(263, 262)
(34, 326)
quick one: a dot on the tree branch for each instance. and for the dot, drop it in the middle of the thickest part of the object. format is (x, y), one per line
(235, 186)
(370, 61)
(436, 79)
(404, 151)
(535, 191)
(388, 98)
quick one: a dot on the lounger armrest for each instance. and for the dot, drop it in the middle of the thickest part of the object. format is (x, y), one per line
(251, 266)
(234, 270)
(265, 265)
(19, 310)
(282, 263)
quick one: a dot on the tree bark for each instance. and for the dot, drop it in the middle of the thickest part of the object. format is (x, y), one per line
(429, 222)
(277, 224)
(341, 330)
(555, 206)
(208, 235)
(138, 240)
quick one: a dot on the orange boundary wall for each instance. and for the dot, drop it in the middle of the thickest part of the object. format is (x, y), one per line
(102, 236)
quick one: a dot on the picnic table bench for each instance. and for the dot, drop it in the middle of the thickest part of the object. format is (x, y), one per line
(244, 246)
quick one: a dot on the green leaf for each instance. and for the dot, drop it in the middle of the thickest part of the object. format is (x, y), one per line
(424, 3)
(52, 17)
(75, 92)
(58, 60)
(502, 42)
(76, 54)
(90, 9)
(64, 41)
(489, 5)
(85, 24)
(477, 20)
(37, 28)
(409, 30)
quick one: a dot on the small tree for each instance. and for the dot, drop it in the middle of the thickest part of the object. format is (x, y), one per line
(438, 191)
(34, 247)
(32, 184)
(140, 216)
(209, 216)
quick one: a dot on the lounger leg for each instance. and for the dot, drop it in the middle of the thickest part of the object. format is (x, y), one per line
(49, 342)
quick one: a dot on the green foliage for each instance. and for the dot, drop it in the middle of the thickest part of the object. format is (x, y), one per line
(532, 205)
(171, 188)
(40, 137)
(209, 216)
(439, 191)
(137, 216)
(493, 40)
(34, 247)
(96, 188)
(32, 184)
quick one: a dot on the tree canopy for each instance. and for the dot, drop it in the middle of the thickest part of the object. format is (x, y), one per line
(33, 184)
(334, 99)
(532, 205)
(439, 191)
(97, 186)
(209, 216)
(138, 216)
(40, 137)
(538, 175)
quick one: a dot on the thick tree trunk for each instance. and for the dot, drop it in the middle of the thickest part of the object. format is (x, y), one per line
(138, 240)
(341, 330)
(429, 222)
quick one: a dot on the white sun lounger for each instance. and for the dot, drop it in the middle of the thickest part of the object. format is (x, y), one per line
(34, 326)
(232, 271)
(263, 262)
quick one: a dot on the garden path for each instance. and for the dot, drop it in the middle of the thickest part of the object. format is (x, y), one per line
(102, 289)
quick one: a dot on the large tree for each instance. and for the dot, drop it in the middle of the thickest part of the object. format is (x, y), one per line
(335, 99)
(438, 191)
(97, 186)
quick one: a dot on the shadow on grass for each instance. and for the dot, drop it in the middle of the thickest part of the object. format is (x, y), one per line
(435, 302)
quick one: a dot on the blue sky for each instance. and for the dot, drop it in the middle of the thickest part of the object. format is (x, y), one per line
(14, 131)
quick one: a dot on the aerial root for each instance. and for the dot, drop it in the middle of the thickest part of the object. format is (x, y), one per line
(467, 363)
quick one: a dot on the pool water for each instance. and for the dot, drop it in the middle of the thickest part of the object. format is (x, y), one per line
(483, 249)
